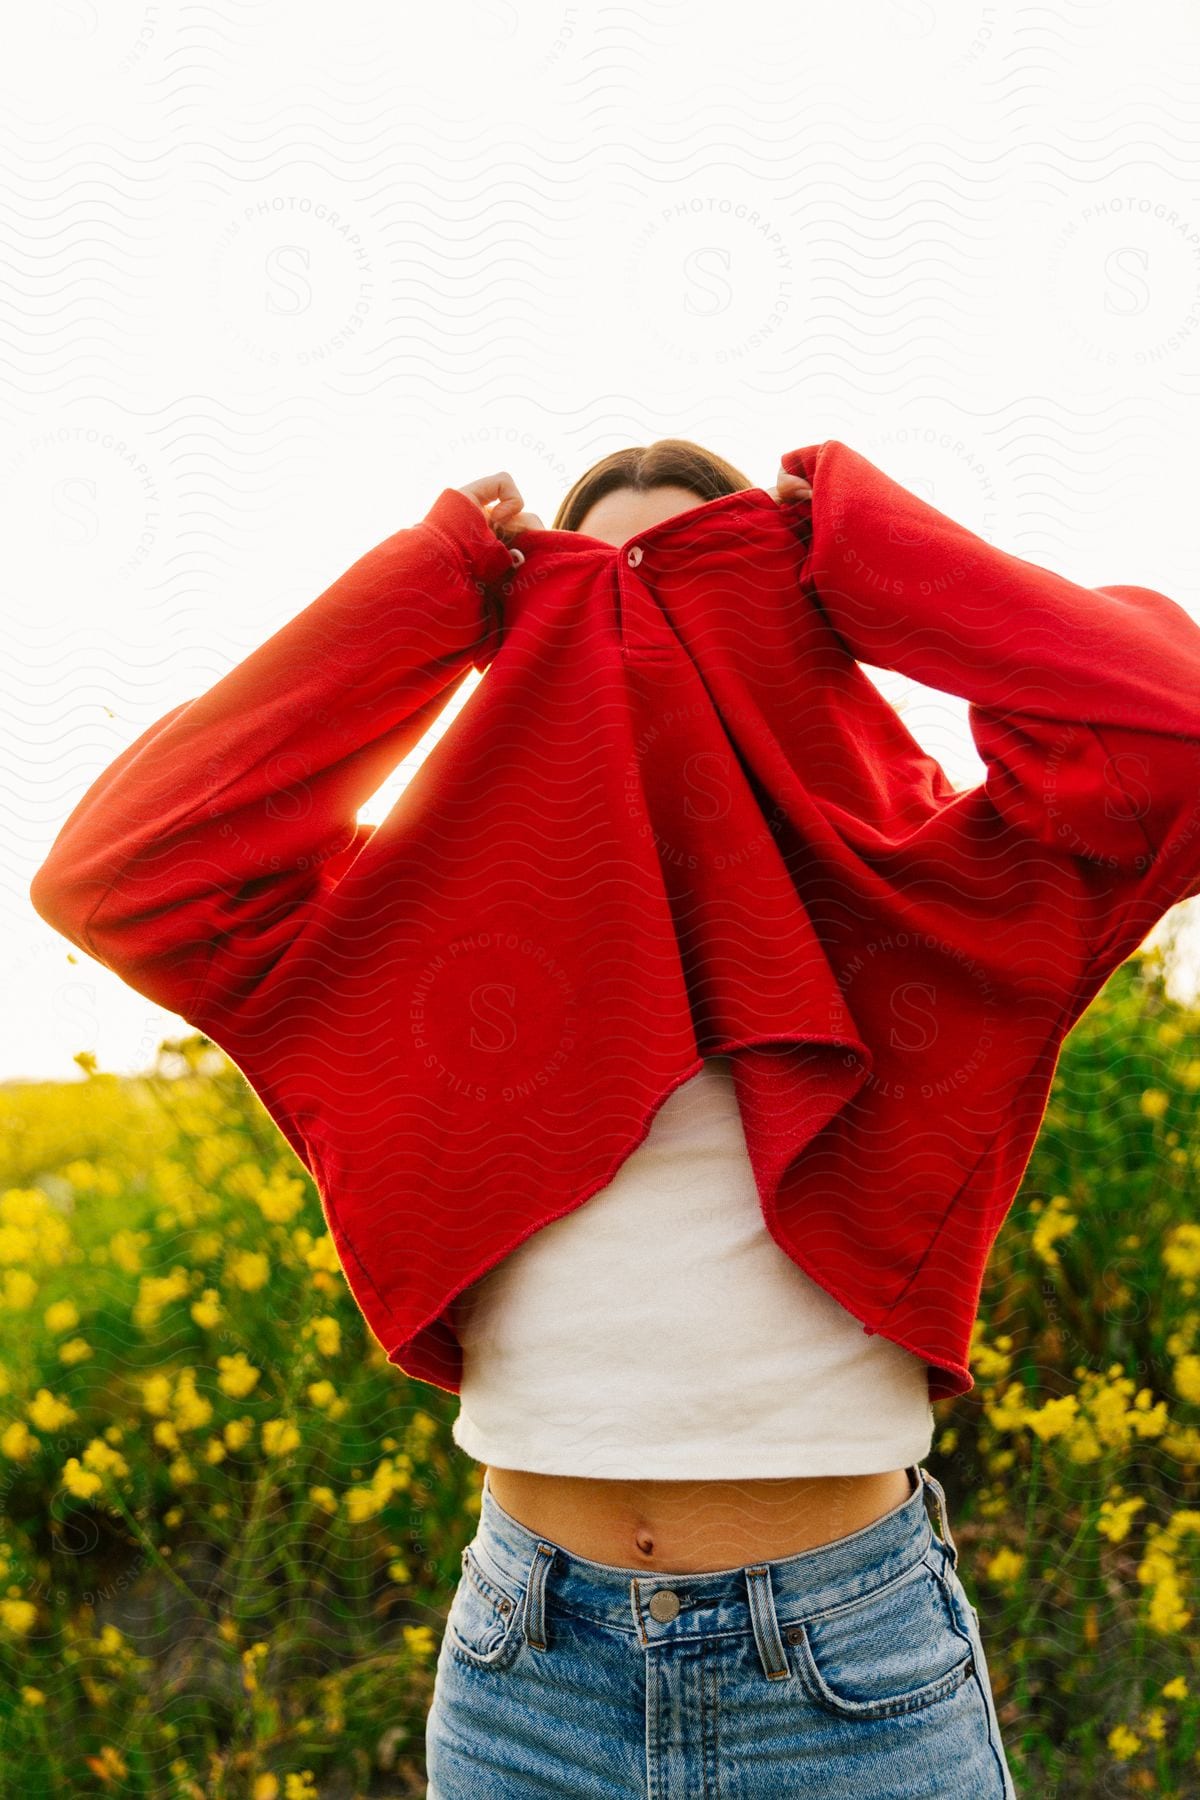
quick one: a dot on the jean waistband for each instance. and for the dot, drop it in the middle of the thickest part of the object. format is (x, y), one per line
(806, 1582)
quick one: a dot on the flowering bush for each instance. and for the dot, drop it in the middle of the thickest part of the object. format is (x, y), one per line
(229, 1529)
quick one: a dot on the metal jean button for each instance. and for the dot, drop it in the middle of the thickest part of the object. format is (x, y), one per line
(664, 1605)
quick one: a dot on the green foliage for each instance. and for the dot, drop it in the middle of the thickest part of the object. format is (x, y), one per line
(229, 1529)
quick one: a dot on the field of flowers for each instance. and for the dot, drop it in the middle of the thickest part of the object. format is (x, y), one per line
(229, 1531)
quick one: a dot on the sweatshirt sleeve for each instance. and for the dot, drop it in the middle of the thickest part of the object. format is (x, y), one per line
(191, 864)
(1084, 703)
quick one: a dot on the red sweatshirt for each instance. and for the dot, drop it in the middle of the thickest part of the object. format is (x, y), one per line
(675, 819)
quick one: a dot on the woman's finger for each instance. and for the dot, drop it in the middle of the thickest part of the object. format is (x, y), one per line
(791, 487)
(523, 521)
(497, 491)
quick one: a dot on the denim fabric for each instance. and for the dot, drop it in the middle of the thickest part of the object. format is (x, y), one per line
(855, 1671)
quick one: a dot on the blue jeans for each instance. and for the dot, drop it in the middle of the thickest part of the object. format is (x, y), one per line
(852, 1670)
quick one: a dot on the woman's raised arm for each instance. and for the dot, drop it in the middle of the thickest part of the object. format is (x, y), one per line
(190, 864)
(1084, 703)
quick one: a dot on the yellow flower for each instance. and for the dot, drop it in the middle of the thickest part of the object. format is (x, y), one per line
(250, 1270)
(156, 1394)
(300, 1787)
(125, 1248)
(192, 1410)
(22, 1207)
(17, 1616)
(33, 1696)
(20, 1290)
(215, 1451)
(207, 1310)
(1056, 1222)
(328, 1334)
(1083, 1446)
(1004, 1567)
(269, 1186)
(48, 1412)
(1176, 1688)
(323, 1255)
(325, 1498)
(399, 1570)
(1187, 1378)
(237, 1433)
(1181, 1340)
(61, 1315)
(1123, 1743)
(266, 1787)
(30, 1231)
(1167, 1612)
(1006, 1411)
(321, 1393)
(80, 1481)
(251, 1658)
(1148, 1420)
(101, 1456)
(1108, 1409)
(419, 1640)
(279, 1436)
(156, 1293)
(1116, 1518)
(181, 1472)
(238, 1376)
(363, 1503)
(213, 1155)
(17, 1442)
(1155, 1103)
(17, 1247)
(282, 1197)
(989, 1363)
(75, 1350)
(1054, 1418)
(1181, 1250)
(1154, 1723)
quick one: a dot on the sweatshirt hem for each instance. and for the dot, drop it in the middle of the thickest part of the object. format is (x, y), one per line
(702, 1460)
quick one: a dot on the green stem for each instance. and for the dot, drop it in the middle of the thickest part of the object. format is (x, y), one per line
(262, 1489)
(1025, 1584)
(157, 1558)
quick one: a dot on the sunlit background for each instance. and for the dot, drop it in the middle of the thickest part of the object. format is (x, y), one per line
(278, 275)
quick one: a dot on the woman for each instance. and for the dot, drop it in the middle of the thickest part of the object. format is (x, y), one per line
(613, 1683)
(677, 934)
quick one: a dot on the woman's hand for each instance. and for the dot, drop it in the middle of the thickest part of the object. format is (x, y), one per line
(790, 487)
(500, 500)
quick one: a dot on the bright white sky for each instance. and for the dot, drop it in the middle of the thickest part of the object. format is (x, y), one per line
(277, 275)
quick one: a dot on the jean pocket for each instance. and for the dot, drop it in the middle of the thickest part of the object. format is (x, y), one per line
(481, 1626)
(894, 1650)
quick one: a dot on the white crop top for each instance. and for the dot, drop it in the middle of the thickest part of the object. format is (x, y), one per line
(658, 1331)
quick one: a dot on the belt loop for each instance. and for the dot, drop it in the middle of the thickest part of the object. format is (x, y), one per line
(533, 1613)
(947, 1536)
(765, 1622)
